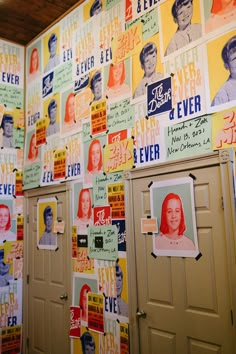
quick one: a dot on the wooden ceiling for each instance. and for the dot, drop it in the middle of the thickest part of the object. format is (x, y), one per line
(22, 20)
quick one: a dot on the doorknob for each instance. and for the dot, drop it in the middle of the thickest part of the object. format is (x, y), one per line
(64, 297)
(141, 314)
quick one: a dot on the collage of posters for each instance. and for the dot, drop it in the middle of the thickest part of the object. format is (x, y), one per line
(108, 88)
(111, 87)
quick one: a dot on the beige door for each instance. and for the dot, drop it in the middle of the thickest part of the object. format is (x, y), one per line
(48, 292)
(187, 302)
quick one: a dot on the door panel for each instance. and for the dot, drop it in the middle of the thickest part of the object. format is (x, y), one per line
(187, 302)
(49, 278)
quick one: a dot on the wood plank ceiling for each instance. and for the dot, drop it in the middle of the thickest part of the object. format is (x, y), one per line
(22, 20)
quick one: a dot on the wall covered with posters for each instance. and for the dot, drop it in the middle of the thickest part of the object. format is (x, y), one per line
(109, 88)
(11, 194)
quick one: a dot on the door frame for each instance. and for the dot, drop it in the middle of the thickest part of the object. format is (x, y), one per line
(222, 158)
(43, 192)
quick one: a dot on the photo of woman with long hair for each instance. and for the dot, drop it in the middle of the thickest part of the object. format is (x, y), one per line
(172, 203)
(222, 13)
(69, 117)
(95, 160)
(33, 149)
(172, 226)
(116, 83)
(5, 225)
(84, 211)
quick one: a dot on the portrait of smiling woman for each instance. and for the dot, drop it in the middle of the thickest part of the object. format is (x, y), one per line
(222, 13)
(84, 211)
(5, 225)
(95, 160)
(172, 226)
(116, 85)
(33, 149)
(172, 202)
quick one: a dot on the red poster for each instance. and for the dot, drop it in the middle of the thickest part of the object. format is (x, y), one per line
(117, 136)
(102, 215)
(75, 321)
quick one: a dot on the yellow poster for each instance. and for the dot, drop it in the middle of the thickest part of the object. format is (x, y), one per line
(126, 44)
(59, 164)
(41, 131)
(224, 129)
(118, 156)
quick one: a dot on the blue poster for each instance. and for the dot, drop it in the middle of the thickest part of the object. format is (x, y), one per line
(159, 97)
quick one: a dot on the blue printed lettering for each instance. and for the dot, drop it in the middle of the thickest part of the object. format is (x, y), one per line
(67, 55)
(186, 108)
(47, 177)
(12, 321)
(10, 78)
(85, 66)
(147, 153)
(73, 170)
(108, 55)
(7, 189)
(110, 304)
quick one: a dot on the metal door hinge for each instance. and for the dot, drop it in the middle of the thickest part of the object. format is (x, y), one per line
(27, 218)
(27, 279)
(222, 203)
(27, 342)
(232, 317)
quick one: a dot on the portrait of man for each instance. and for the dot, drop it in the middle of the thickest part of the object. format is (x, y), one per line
(8, 128)
(96, 8)
(87, 343)
(96, 86)
(227, 91)
(5, 275)
(122, 306)
(53, 126)
(186, 32)
(48, 237)
(54, 59)
(148, 63)
(46, 211)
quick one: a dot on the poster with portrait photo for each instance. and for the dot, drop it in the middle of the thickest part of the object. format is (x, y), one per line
(51, 49)
(172, 202)
(117, 80)
(93, 158)
(69, 124)
(51, 111)
(82, 207)
(219, 15)
(11, 128)
(221, 75)
(31, 151)
(7, 221)
(184, 30)
(34, 61)
(46, 217)
(82, 284)
(146, 67)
